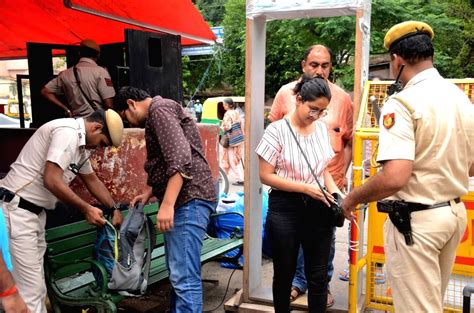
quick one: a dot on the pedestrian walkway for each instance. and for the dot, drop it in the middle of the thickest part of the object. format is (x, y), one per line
(216, 283)
(213, 293)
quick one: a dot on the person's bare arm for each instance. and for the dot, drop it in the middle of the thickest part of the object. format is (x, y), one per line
(12, 303)
(270, 178)
(471, 170)
(109, 103)
(330, 184)
(53, 181)
(393, 176)
(55, 100)
(276, 110)
(98, 190)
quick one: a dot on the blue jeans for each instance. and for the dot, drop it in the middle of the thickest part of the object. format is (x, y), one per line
(299, 280)
(183, 245)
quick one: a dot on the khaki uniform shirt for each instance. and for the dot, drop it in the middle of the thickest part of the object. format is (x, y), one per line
(60, 141)
(438, 137)
(95, 81)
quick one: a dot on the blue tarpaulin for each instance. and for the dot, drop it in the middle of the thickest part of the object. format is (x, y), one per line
(225, 225)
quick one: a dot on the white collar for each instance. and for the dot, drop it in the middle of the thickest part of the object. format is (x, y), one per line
(87, 60)
(428, 73)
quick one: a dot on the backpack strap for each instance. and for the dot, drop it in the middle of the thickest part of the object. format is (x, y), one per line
(151, 233)
(115, 237)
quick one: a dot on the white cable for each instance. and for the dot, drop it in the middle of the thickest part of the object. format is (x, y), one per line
(354, 244)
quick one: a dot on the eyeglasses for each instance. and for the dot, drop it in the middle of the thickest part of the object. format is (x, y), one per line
(318, 112)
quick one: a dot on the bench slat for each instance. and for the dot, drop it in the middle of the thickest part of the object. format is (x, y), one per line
(62, 231)
(75, 241)
(71, 270)
(68, 230)
(67, 244)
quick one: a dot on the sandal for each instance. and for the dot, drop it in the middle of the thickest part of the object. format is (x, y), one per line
(344, 276)
(295, 293)
(330, 300)
(379, 278)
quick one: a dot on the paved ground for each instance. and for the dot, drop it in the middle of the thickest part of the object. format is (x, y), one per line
(230, 281)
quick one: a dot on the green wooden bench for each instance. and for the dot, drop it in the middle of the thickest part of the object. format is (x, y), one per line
(68, 263)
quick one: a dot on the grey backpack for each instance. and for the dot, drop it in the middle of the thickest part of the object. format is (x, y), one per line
(132, 267)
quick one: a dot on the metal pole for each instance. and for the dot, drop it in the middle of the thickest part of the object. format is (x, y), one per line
(19, 88)
(70, 5)
(467, 291)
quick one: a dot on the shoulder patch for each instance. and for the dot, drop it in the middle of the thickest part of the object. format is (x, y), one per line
(108, 82)
(388, 120)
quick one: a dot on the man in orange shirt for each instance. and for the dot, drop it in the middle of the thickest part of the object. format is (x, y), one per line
(317, 61)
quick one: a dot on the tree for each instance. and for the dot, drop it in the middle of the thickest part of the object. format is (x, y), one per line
(452, 21)
(284, 49)
(204, 72)
(212, 10)
(234, 45)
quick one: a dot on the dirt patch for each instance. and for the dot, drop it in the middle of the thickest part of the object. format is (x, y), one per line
(156, 300)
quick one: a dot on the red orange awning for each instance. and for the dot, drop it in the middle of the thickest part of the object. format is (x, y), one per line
(50, 21)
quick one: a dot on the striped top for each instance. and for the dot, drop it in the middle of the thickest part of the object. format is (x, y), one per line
(278, 148)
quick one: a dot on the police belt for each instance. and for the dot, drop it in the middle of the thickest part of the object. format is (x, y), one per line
(399, 213)
(413, 207)
(7, 196)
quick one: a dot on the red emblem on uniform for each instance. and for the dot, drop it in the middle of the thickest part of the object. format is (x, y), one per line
(108, 82)
(388, 120)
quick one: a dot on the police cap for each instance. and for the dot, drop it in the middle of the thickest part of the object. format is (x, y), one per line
(114, 127)
(404, 30)
(89, 43)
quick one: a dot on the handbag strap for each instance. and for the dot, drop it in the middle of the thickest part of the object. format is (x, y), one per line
(306, 159)
(91, 103)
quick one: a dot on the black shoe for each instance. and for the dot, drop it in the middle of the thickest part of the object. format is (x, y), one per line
(238, 183)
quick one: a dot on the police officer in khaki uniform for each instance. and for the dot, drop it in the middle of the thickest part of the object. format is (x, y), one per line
(40, 176)
(426, 148)
(91, 90)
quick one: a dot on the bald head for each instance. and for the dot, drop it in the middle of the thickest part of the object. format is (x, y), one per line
(317, 61)
(317, 49)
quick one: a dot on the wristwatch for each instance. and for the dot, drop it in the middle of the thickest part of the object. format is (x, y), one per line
(114, 207)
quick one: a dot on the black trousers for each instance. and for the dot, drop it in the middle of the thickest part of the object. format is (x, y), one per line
(294, 219)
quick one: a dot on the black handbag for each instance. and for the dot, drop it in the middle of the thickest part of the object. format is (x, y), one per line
(224, 142)
(337, 217)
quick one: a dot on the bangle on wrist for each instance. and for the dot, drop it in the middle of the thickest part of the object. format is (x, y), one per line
(8, 292)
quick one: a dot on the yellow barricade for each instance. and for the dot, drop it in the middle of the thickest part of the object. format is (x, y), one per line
(370, 262)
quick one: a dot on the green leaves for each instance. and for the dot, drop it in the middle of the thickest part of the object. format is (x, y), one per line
(452, 21)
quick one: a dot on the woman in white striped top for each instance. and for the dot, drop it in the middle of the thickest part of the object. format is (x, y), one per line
(298, 211)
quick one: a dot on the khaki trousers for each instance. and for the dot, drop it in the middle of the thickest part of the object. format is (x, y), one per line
(27, 246)
(419, 274)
